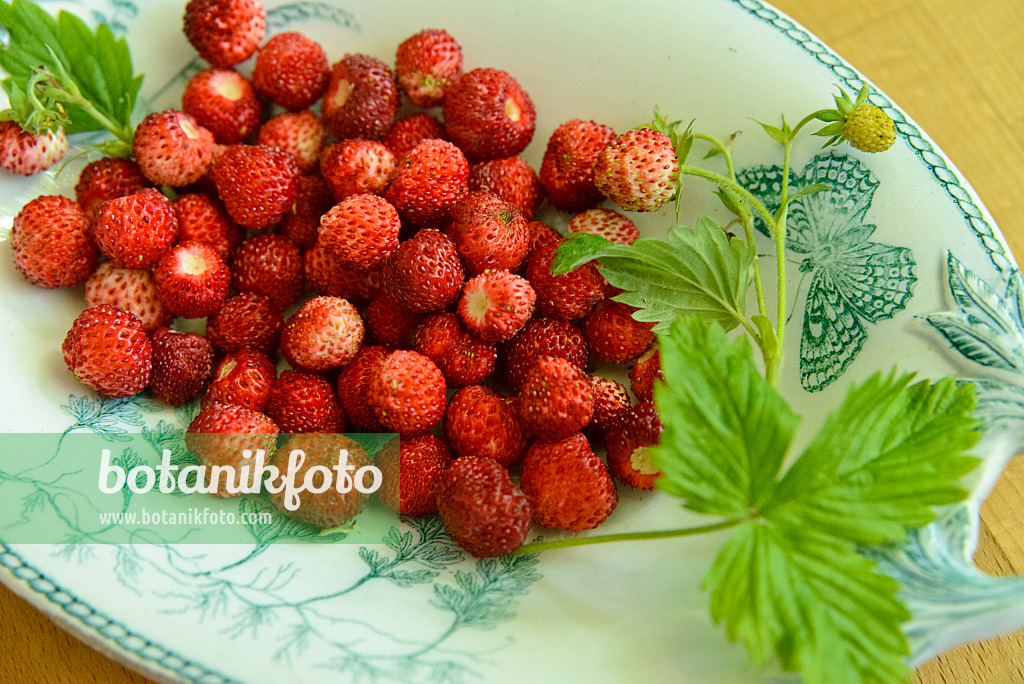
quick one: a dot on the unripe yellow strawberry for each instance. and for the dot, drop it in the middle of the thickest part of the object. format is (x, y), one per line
(869, 129)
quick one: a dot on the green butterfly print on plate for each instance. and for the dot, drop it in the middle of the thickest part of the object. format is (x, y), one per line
(854, 280)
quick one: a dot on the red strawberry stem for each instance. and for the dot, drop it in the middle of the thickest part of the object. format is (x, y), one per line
(536, 547)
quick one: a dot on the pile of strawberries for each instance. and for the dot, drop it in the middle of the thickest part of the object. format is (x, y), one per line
(395, 265)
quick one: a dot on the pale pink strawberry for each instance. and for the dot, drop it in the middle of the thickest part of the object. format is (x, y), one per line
(51, 242)
(606, 223)
(638, 171)
(130, 289)
(325, 333)
(108, 350)
(25, 153)
(172, 149)
(300, 134)
(355, 166)
(495, 305)
(223, 102)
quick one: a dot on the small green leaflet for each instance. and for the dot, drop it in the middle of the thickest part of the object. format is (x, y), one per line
(697, 271)
(789, 581)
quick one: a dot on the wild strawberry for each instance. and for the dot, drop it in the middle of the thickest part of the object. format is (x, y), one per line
(462, 358)
(223, 102)
(326, 332)
(51, 242)
(129, 289)
(361, 231)
(172, 149)
(568, 296)
(488, 115)
(869, 129)
(425, 64)
(428, 182)
(321, 505)
(606, 223)
(258, 184)
(181, 365)
(643, 374)
(361, 98)
(327, 275)
(25, 153)
(480, 422)
(192, 280)
(243, 378)
(245, 321)
(613, 334)
(408, 393)
(410, 131)
(628, 440)
(136, 230)
(483, 511)
(567, 485)
(511, 179)
(300, 134)
(106, 179)
(495, 305)
(541, 337)
(203, 218)
(542, 234)
(411, 468)
(269, 265)
(354, 386)
(302, 224)
(107, 349)
(424, 274)
(611, 401)
(225, 32)
(638, 171)
(291, 70)
(567, 169)
(221, 434)
(301, 401)
(389, 323)
(488, 233)
(556, 399)
(352, 167)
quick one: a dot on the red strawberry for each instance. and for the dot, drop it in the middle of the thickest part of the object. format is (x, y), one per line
(556, 399)
(411, 468)
(203, 218)
(488, 233)
(462, 358)
(410, 131)
(428, 182)
(300, 134)
(483, 511)
(354, 386)
(243, 378)
(361, 98)
(223, 102)
(258, 184)
(480, 422)
(352, 167)
(302, 223)
(329, 507)
(638, 171)
(542, 234)
(389, 323)
(137, 229)
(130, 289)
(568, 296)
(424, 274)
(425, 64)
(567, 170)
(628, 440)
(511, 179)
(51, 243)
(220, 435)
(245, 321)
(408, 393)
(181, 365)
(225, 32)
(495, 305)
(361, 231)
(326, 332)
(301, 401)
(644, 372)
(107, 349)
(25, 153)
(567, 485)
(327, 275)
(488, 115)
(611, 401)
(291, 71)
(613, 334)
(269, 265)
(106, 179)
(541, 337)
(606, 223)
(172, 149)
(192, 280)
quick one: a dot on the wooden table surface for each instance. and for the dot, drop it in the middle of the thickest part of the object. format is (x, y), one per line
(958, 69)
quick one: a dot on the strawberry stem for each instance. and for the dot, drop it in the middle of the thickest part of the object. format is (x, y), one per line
(625, 536)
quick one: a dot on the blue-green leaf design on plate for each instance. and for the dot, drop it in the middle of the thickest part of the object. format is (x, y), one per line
(854, 280)
(283, 16)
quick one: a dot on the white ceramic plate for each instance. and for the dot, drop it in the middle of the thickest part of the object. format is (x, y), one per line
(418, 610)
